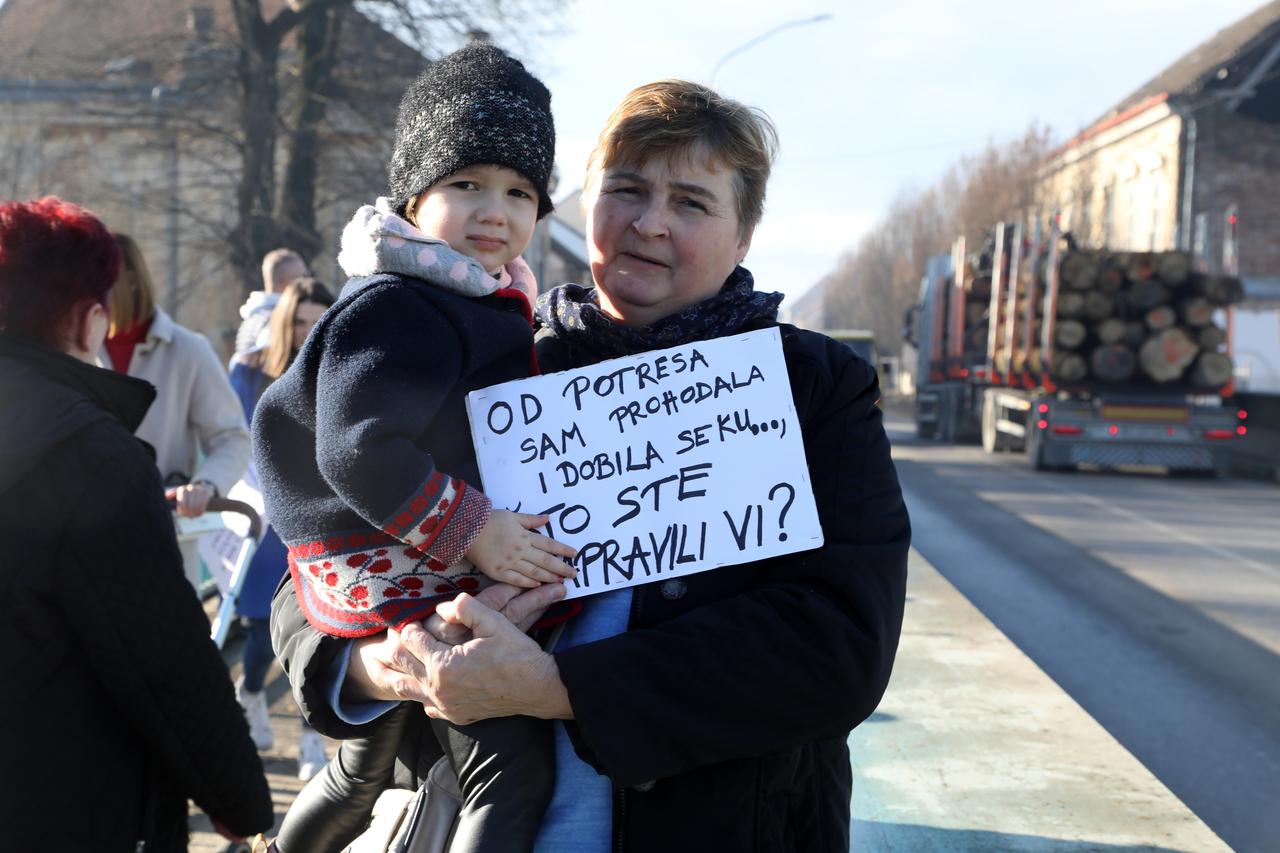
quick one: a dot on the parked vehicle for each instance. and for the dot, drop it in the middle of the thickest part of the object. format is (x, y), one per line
(1077, 356)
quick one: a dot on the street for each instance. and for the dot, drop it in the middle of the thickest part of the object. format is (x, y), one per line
(1154, 602)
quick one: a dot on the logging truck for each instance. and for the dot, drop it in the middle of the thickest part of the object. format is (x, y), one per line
(1077, 356)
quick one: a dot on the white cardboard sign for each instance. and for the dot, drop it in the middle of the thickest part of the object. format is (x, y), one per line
(656, 465)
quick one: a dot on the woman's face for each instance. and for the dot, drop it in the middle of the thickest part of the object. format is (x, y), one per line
(662, 235)
(304, 318)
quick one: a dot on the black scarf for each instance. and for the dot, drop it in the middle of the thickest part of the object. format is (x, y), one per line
(573, 313)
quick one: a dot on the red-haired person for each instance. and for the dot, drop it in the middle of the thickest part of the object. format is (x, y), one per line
(117, 705)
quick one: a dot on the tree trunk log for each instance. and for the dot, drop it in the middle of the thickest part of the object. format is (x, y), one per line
(1110, 330)
(317, 44)
(1160, 317)
(1098, 305)
(1070, 304)
(1197, 311)
(1211, 370)
(1147, 293)
(1167, 354)
(1174, 268)
(1135, 334)
(1211, 337)
(1069, 367)
(1112, 279)
(1078, 270)
(1142, 266)
(1114, 363)
(1070, 333)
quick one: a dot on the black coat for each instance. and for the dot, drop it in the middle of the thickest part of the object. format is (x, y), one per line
(722, 714)
(116, 705)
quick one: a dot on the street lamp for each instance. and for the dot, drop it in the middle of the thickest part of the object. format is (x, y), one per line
(798, 22)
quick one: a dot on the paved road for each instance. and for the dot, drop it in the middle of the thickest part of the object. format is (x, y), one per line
(1154, 602)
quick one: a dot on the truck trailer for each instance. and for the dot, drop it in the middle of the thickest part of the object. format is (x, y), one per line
(1077, 356)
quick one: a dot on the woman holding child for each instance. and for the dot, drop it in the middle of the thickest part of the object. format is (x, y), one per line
(706, 712)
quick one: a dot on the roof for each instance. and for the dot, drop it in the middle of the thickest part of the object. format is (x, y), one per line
(1194, 70)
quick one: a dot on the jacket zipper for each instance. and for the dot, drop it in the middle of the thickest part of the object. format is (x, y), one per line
(619, 832)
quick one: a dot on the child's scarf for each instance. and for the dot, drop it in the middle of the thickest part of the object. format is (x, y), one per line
(376, 240)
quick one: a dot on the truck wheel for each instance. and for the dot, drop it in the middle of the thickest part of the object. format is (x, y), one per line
(1037, 456)
(1035, 450)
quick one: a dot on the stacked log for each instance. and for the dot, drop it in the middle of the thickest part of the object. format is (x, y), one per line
(1137, 317)
(977, 273)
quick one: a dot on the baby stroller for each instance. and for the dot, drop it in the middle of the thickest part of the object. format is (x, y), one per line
(234, 540)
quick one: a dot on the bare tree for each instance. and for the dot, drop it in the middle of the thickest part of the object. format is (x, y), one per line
(271, 213)
(876, 281)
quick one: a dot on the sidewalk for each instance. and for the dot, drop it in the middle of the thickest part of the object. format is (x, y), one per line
(975, 749)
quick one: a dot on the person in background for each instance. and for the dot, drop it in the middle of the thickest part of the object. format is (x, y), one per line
(279, 267)
(195, 412)
(299, 307)
(116, 703)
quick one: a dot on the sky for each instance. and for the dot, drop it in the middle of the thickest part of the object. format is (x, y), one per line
(876, 100)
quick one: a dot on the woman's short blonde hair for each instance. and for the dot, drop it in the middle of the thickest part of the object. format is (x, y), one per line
(133, 299)
(672, 118)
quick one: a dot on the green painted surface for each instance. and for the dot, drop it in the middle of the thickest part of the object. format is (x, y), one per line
(974, 748)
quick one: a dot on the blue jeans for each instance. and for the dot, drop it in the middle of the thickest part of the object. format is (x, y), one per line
(258, 654)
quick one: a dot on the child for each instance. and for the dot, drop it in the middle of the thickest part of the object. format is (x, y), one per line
(355, 440)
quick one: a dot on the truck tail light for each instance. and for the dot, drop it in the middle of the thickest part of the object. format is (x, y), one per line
(1113, 429)
(1044, 408)
(1242, 414)
(1065, 429)
(1242, 430)
(1219, 434)
(1043, 425)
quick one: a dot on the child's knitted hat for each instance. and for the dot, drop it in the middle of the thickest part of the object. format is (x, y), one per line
(475, 106)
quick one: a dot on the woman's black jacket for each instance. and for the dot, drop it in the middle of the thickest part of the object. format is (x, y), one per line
(722, 714)
(116, 706)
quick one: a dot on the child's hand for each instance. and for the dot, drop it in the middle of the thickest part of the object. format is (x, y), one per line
(508, 551)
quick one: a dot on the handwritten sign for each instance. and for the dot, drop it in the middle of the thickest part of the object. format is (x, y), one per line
(656, 465)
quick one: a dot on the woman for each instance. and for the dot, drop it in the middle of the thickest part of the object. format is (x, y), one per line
(117, 705)
(708, 712)
(297, 310)
(195, 411)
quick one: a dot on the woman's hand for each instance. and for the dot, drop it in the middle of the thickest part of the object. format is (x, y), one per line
(383, 668)
(500, 672)
(522, 607)
(190, 500)
(509, 551)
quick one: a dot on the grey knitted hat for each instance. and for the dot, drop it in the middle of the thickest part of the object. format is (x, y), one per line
(475, 106)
